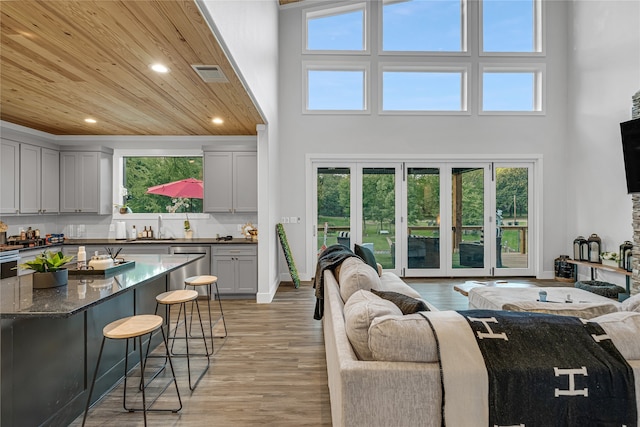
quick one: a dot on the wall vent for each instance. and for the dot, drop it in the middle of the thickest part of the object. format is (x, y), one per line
(210, 73)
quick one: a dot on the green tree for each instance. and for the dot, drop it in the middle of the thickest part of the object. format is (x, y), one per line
(512, 182)
(143, 172)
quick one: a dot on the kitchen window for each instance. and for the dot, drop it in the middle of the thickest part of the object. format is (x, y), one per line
(176, 179)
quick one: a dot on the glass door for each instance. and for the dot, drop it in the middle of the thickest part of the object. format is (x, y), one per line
(513, 203)
(422, 242)
(333, 206)
(471, 230)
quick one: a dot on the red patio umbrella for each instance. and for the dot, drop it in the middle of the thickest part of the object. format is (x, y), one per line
(189, 188)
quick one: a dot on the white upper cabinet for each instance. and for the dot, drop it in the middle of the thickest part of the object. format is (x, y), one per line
(39, 180)
(9, 177)
(85, 182)
(230, 181)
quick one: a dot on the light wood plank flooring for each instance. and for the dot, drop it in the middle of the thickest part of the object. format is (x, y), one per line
(269, 371)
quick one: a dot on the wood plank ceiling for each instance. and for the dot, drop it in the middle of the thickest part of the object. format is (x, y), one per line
(64, 61)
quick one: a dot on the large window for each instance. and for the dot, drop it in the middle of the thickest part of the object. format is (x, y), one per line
(140, 173)
(427, 55)
(414, 89)
(423, 26)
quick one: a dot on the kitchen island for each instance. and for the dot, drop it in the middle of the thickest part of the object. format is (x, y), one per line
(50, 338)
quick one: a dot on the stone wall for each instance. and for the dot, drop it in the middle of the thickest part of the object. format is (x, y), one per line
(635, 282)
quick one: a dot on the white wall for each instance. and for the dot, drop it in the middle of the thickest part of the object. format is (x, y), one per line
(248, 31)
(301, 134)
(604, 74)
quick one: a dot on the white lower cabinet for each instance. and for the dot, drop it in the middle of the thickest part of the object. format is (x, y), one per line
(236, 267)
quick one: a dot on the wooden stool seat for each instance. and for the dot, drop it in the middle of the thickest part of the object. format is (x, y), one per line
(176, 297)
(200, 280)
(133, 326)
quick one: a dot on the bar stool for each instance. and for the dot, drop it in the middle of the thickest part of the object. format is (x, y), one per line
(208, 281)
(182, 297)
(131, 328)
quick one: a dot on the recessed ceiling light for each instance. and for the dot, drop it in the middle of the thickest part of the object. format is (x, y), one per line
(217, 120)
(91, 120)
(159, 68)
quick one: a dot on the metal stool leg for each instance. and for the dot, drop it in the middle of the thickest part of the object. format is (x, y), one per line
(93, 383)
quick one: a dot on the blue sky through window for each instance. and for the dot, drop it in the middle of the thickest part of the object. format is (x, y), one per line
(428, 26)
(422, 26)
(336, 32)
(421, 91)
(507, 26)
(336, 90)
(508, 91)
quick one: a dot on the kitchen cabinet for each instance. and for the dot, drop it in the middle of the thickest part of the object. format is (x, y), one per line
(39, 180)
(230, 181)
(236, 267)
(9, 177)
(86, 181)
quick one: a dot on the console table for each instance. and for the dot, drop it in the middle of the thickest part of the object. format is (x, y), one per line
(596, 266)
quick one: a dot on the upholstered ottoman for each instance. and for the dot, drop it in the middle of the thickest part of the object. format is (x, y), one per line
(583, 304)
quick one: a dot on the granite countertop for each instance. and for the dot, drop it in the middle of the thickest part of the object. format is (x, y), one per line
(18, 299)
(173, 242)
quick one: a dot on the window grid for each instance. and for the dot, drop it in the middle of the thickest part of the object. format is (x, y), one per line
(471, 23)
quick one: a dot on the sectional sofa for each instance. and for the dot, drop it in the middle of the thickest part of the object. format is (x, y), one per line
(383, 366)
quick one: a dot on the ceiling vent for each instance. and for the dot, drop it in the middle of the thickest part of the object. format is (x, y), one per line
(210, 73)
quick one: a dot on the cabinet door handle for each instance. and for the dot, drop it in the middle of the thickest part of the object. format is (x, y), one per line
(234, 251)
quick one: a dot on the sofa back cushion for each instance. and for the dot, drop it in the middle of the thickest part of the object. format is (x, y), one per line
(356, 275)
(623, 327)
(359, 312)
(407, 338)
(632, 303)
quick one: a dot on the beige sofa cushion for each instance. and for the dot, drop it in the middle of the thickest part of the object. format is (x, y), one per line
(623, 328)
(355, 274)
(359, 312)
(407, 338)
(587, 310)
(632, 303)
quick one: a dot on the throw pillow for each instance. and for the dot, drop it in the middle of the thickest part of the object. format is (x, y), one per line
(367, 256)
(405, 303)
(622, 327)
(359, 312)
(403, 339)
(356, 275)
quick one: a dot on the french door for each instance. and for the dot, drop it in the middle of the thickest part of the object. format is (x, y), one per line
(429, 218)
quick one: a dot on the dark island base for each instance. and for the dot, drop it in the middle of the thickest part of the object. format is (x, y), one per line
(48, 363)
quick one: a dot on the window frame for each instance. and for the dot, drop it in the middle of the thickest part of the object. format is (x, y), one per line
(323, 11)
(464, 35)
(336, 66)
(538, 33)
(539, 90)
(118, 179)
(463, 68)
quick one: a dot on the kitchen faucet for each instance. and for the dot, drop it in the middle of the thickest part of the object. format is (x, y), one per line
(159, 227)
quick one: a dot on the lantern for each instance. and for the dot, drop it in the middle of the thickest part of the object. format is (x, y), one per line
(595, 244)
(624, 258)
(578, 243)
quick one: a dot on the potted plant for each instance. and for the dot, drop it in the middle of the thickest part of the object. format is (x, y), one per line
(609, 258)
(49, 269)
(123, 209)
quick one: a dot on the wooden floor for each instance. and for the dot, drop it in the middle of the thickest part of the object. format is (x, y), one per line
(269, 371)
